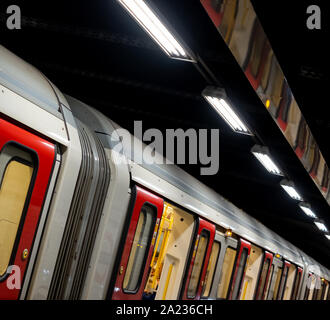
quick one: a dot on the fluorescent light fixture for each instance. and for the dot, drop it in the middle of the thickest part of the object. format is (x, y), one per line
(307, 209)
(328, 236)
(288, 186)
(263, 155)
(151, 23)
(217, 98)
(321, 226)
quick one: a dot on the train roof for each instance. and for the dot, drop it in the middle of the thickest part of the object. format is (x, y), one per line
(104, 128)
(28, 82)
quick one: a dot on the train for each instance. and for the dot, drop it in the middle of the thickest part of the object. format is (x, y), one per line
(81, 219)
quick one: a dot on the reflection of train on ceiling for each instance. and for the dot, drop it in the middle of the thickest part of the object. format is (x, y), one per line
(243, 33)
(82, 225)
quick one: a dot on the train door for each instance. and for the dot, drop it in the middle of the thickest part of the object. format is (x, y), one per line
(170, 254)
(326, 290)
(283, 281)
(289, 286)
(297, 284)
(139, 240)
(26, 165)
(275, 277)
(308, 286)
(251, 274)
(198, 262)
(240, 268)
(264, 278)
(220, 267)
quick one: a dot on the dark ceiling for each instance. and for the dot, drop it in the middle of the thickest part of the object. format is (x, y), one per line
(94, 51)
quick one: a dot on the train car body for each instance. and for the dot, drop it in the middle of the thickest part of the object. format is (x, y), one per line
(96, 223)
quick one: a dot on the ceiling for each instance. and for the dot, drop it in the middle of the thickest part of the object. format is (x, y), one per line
(94, 51)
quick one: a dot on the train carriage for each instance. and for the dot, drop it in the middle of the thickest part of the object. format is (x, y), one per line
(92, 222)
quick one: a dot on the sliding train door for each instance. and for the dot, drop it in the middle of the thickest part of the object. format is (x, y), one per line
(199, 258)
(240, 268)
(220, 268)
(170, 254)
(275, 277)
(138, 243)
(265, 276)
(26, 165)
(284, 278)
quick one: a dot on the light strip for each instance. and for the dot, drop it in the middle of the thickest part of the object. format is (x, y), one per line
(306, 208)
(321, 226)
(328, 236)
(289, 188)
(227, 113)
(261, 153)
(149, 21)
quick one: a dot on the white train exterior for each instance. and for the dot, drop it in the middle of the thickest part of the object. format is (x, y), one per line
(80, 234)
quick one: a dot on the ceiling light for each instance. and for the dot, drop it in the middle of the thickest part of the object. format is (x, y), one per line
(288, 186)
(263, 155)
(307, 209)
(328, 236)
(217, 98)
(151, 23)
(321, 226)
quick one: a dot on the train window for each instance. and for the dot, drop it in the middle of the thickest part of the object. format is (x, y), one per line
(226, 272)
(270, 280)
(266, 72)
(277, 282)
(251, 274)
(262, 280)
(15, 178)
(210, 269)
(240, 274)
(317, 288)
(139, 250)
(324, 290)
(321, 291)
(308, 286)
(198, 264)
(283, 283)
(259, 41)
(296, 286)
(289, 283)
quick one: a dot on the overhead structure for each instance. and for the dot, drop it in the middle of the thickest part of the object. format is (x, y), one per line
(265, 76)
(241, 30)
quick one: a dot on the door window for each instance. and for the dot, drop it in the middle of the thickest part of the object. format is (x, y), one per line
(210, 269)
(226, 272)
(198, 264)
(139, 250)
(16, 171)
(240, 273)
(262, 280)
